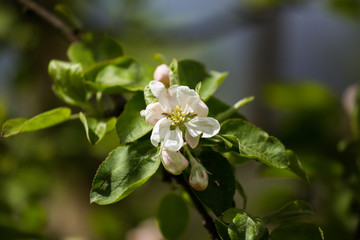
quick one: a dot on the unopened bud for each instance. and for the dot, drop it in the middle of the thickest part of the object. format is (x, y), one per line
(174, 162)
(198, 179)
(162, 74)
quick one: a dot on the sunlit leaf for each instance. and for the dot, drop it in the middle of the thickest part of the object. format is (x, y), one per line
(255, 143)
(78, 52)
(131, 125)
(243, 226)
(41, 121)
(125, 169)
(68, 82)
(172, 216)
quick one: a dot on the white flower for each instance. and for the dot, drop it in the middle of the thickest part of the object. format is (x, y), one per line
(179, 111)
(198, 179)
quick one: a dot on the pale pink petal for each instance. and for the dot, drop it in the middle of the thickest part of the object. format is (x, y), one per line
(174, 162)
(187, 98)
(160, 130)
(191, 141)
(201, 109)
(162, 74)
(173, 140)
(153, 113)
(206, 125)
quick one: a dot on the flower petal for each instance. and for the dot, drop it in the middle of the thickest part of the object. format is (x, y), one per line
(191, 141)
(160, 130)
(173, 140)
(187, 98)
(201, 109)
(160, 92)
(174, 162)
(153, 113)
(206, 125)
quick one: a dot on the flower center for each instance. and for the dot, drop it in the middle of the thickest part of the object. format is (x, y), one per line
(177, 116)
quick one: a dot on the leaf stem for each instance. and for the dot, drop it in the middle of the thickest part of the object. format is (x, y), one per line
(50, 18)
(208, 222)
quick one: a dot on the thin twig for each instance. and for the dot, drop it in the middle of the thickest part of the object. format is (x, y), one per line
(208, 222)
(49, 17)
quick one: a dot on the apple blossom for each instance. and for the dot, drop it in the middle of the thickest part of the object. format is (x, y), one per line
(198, 179)
(179, 112)
(162, 74)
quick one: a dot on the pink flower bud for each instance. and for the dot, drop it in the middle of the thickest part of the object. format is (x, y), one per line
(174, 162)
(162, 74)
(198, 179)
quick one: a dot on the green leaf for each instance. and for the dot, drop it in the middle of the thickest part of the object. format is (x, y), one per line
(78, 52)
(232, 110)
(91, 72)
(222, 229)
(217, 107)
(41, 121)
(96, 129)
(127, 74)
(172, 216)
(289, 211)
(131, 125)
(244, 227)
(255, 143)
(295, 165)
(125, 169)
(108, 48)
(219, 194)
(68, 82)
(67, 15)
(297, 231)
(191, 72)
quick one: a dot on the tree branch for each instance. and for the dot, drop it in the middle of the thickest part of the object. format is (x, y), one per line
(208, 222)
(50, 18)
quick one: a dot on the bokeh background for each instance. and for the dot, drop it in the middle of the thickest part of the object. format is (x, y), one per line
(296, 57)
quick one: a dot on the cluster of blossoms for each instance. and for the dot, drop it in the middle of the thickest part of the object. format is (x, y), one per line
(179, 117)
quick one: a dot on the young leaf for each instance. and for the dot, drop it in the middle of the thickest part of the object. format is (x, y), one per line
(289, 211)
(255, 143)
(149, 96)
(68, 82)
(232, 110)
(125, 74)
(174, 74)
(191, 72)
(131, 125)
(244, 227)
(217, 107)
(297, 231)
(295, 165)
(172, 216)
(219, 194)
(41, 121)
(125, 169)
(78, 52)
(96, 129)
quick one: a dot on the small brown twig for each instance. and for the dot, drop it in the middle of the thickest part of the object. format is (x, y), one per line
(208, 222)
(52, 19)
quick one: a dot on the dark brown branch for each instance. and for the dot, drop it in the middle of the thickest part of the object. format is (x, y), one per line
(208, 222)
(49, 17)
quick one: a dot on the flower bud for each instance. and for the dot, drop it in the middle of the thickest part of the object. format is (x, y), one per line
(198, 179)
(349, 98)
(174, 162)
(162, 74)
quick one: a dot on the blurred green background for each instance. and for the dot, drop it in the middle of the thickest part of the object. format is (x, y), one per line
(296, 57)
